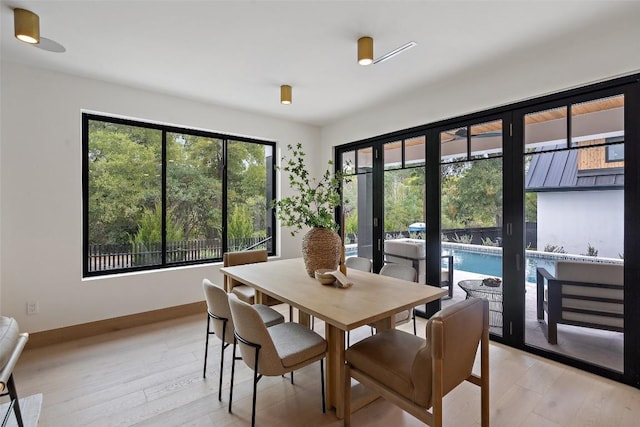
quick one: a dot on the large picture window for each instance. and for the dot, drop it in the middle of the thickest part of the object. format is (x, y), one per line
(158, 196)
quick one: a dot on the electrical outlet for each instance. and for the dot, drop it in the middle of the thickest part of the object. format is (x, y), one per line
(32, 307)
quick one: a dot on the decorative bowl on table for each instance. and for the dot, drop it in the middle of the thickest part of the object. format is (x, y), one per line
(324, 276)
(492, 282)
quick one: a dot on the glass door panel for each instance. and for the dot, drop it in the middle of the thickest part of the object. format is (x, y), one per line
(357, 194)
(574, 213)
(471, 214)
(404, 204)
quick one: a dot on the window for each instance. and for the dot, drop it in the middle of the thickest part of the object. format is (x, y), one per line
(615, 153)
(157, 196)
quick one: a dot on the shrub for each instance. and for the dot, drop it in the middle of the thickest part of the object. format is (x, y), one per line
(554, 248)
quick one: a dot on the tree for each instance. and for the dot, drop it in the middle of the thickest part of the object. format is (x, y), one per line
(240, 224)
(123, 180)
(403, 198)
(474, 197)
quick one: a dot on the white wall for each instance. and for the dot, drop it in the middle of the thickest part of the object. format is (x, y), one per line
(582, 56)
(41, 196)
(574, 219)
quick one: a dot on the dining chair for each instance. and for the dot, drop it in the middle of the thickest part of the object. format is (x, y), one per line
(418, 377)
(272, 351)
(220, 322)
(244, 292)
(404, 272)
(399, 271)
(12, 343)
(359, 263)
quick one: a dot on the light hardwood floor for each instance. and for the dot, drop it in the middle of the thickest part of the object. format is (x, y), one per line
(152, 376)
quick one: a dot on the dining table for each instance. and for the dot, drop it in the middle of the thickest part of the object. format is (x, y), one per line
(371, 299)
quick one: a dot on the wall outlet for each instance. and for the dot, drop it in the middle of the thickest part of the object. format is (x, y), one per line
(32, 307)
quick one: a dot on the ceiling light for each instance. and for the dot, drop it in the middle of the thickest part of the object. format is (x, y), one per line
(26, 25)
(365, 50)
(285, 94)
(394, 52)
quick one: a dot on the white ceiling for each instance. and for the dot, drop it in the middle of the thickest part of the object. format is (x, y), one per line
(238, 53)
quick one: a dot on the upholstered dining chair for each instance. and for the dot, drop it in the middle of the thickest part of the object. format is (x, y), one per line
(418, 377)
(358, 263)
(273, 351)
(404, 272)
(220, 322)
(244, 292)
(399, 271)
(12, 343)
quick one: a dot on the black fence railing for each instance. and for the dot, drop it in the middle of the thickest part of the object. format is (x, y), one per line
(128, 255)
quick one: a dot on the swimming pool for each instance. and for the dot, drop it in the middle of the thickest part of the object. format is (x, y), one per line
(487, 260)
(491, 264)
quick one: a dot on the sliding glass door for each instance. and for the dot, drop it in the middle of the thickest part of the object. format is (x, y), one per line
(471, 208)
(574, 167)
(542, 196)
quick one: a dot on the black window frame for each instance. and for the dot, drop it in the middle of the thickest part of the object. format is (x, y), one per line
(513, 185)
(226, 140)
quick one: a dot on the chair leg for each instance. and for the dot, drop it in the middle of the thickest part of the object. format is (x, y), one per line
(255, 388)
(223, 346)
(233, 369)
(206, 346)
(414, 322)
(324, 405)
(13, 394)
(291, 377)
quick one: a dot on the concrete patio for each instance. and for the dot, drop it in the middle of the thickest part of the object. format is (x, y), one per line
(595, 346)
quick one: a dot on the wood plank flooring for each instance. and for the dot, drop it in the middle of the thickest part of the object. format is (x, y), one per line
(152, 376)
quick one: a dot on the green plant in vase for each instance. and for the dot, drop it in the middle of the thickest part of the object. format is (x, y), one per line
(313, 206)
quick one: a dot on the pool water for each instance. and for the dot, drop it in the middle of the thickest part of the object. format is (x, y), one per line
(491, 265)
(482, 262)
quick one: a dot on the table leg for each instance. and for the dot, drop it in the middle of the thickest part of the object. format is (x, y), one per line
(304, 319)
(335, 369)
(386, 323)
(259, 297)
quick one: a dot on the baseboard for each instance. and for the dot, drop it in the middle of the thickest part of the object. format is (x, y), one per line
(84, 330)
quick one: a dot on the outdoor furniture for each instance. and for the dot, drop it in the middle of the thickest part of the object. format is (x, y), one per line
(493, 294)
(219, 313)
(415, 374)
(581, 294)
(413, 253)
(12, 343)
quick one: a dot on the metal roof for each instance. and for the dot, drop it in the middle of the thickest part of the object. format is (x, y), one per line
(558, 171)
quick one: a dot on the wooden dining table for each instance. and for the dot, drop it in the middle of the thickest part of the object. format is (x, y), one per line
(371, 299)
